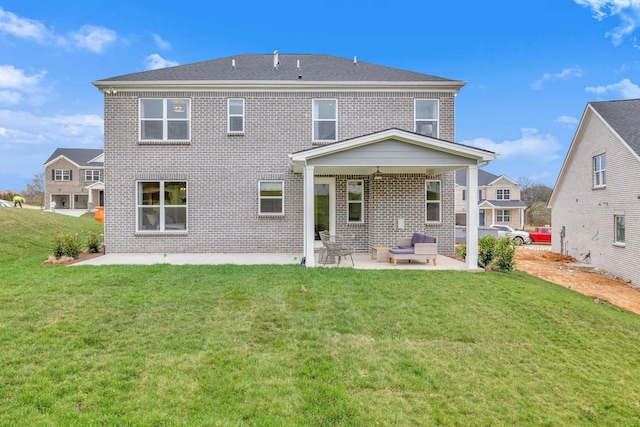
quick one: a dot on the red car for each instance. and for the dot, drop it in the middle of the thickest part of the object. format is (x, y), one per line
(541, 235)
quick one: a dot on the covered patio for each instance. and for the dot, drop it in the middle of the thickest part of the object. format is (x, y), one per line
(397, 156)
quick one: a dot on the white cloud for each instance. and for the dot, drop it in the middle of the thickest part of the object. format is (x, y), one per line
(530, 147)
(23, 28)
(625, 88)
(9, 97)
(627, 10)
(566, 74)
(155, 61)
(92, 38)
(160, 43)
(14, 78)
(568, 120)
(25, 128)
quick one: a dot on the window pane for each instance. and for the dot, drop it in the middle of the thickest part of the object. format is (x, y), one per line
(324, 131)
(271, 205)
(149, 219)
(426, 109)
(235, 124)
(177, 108)
(151, 129)
(433, 190)
(324, 109)
(426, 128)
(149, 193)
(175, 193)
(236, 106)
(433, 212)
(620, 229)
(273, 189)
(178, 130)
(355, 212)
(151, 108)
(355, 191)
(175, 218)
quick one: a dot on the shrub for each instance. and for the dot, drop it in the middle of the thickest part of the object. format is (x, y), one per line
(487, 249)
(93, 242)
(66, 245)
(461, 251)
(505, 255)
(58, 245)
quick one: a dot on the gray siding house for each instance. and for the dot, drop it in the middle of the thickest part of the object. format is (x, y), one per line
(257, 153)
(596, 201)
(73, 178)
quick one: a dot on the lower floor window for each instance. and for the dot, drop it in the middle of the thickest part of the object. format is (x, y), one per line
(503, 215)
(433, 191)
(271, 198)
(162, 206)
(355, 201)
(619, 224)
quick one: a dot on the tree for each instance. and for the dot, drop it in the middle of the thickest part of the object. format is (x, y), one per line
(536, 196)
(34, 194)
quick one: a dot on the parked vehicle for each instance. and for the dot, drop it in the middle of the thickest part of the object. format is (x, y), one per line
(520, 237)
(5, 204)
(541, 235)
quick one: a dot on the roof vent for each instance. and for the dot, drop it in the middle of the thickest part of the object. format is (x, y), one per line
(233, 64)
(355, 60)
(276, 62)
(298, 64)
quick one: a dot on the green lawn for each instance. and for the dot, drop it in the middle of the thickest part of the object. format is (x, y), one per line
(238, 345)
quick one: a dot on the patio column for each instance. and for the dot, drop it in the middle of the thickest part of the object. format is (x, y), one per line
(309, 217)
(473, 217)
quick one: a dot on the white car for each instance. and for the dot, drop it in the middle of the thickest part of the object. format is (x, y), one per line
(5, 204)
(520, 237)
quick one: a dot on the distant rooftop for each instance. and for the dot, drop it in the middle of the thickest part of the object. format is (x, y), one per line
(80, 156)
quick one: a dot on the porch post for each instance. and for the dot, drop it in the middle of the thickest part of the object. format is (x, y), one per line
(473, 217)
(309, 217)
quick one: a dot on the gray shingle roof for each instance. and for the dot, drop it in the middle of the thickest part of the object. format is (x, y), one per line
(624, 117)
(80, 156)
(259, 67)
(484, 177)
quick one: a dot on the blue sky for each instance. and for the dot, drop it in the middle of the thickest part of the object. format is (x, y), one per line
(530, 66)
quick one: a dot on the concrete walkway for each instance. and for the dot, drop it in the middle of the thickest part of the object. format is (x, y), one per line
(361, 261)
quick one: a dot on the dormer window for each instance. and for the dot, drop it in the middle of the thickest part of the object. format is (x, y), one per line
(503, 194)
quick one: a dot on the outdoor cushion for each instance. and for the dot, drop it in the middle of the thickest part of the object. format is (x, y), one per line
(405, 247)
(429, 239)
(417, 238)
(401, 250)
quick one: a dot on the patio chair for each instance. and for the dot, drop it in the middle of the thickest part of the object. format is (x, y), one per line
(335, 247)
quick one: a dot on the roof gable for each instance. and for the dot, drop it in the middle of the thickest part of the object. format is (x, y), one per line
(624, 118)
(82, 157)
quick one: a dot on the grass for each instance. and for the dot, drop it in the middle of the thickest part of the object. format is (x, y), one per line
(243, 345)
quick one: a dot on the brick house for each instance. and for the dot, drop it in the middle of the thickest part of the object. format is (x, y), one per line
(595, 205)
(73, 178)
(499, 200)
(258, 153)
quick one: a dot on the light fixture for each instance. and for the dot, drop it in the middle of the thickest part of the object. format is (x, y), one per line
(377, 174)
(109, 91)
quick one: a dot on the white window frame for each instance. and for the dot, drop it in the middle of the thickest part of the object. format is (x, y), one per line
(428, 202)
(261, 197)
(503, 215)
(503, 194)
(165, 119)
(436, 126)
(62, 175)
(616, 228)
(161, 208)
(92, 175)
(355, 202)
(314, 120)
(231, 115)
(600, 170)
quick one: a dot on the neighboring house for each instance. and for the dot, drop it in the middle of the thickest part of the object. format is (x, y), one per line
(499, 200)
(595, 205)
(73, 178)
(258, 153)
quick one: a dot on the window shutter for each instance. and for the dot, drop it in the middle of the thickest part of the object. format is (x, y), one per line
(70, 175)
(53, 174)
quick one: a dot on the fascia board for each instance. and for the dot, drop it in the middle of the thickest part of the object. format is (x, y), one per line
(60, 157)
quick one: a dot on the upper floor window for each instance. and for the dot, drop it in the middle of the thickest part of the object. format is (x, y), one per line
(165, 119)
(355, 201)
(92, 175)
(271, 198)
(162, 206)
(433, 207)
(619, 228)
(503, 215)
(325, 119)
(426, 117)
(61, 175)
(503, 194)
(235, 111)
(600, 170)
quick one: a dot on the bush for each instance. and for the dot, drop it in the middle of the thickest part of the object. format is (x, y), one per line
(66, 245)
(93, 242)
(487, 249)
(505, 255)
(461, 251)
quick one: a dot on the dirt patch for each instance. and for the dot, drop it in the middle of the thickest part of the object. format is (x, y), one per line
(562, 270)
(65, 260)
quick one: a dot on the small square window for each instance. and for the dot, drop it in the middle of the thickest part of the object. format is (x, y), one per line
(271, 198)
